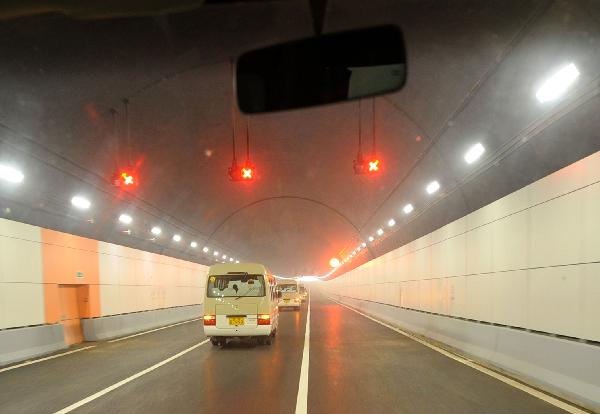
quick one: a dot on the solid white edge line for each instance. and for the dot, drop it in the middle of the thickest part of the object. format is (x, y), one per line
(35, 361)
(127, 380)
(302, 399)
(152, 330)
(507, 380)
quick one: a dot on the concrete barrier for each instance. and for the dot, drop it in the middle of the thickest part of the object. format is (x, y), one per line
(109, 327)
(19, 344)
(564, 367)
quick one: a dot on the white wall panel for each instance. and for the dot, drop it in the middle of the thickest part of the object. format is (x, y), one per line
(454, 256)
(21, 304)
(510, 245)
(509, 295)
(479, 250)
(554, 302)
(527, 260)
(133, 281)
(590, 287)
(479, 304)
(20, 260)
(590, 223)
(555, 231)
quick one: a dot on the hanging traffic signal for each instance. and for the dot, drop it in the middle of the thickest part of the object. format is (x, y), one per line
(244, 172)
(374, 166)
(125, 179)
(364, 166)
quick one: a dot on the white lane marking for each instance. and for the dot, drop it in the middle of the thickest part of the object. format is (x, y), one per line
(35, 361)
(153, 330)
(127, 380)
(302, 399)
(507, 380)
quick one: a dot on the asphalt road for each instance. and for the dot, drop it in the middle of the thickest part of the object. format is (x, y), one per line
(356, 366)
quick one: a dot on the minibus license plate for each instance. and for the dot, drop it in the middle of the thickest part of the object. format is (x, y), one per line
(236, 321)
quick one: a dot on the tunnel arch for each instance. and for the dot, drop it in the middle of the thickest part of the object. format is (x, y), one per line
(289, 197)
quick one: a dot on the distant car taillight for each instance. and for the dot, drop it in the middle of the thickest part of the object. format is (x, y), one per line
(264, 319)
(210, 320)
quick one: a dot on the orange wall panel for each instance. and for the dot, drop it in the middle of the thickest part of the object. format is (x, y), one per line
(69, 260)
(51, 303)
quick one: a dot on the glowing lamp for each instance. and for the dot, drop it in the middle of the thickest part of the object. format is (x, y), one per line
(125, 179)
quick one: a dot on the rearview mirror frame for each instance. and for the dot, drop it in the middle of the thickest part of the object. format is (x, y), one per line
(322, 70)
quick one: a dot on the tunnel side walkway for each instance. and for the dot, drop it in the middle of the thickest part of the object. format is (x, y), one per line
(355, 366)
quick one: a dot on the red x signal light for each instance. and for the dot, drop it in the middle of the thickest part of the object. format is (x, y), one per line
(247, 173)
(374, 166)
(241, 173)
(126, 180)
(367, 167)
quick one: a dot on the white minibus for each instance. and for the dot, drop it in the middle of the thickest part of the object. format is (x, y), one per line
(290, 294)
(240, 301)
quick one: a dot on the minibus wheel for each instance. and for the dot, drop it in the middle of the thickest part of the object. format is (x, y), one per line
(214, 341)
(268, 340)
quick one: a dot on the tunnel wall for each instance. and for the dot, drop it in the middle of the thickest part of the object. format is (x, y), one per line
(34, 261)
(530, 261)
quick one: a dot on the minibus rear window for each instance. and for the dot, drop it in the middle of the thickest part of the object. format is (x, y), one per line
(226, 286)
(288, 288)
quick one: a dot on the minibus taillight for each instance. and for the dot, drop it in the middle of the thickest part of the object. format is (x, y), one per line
(210, 320)
(264, 319)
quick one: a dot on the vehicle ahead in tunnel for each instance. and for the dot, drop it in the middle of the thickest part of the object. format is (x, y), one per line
(290, 295)
(303, 293)
(240, 301)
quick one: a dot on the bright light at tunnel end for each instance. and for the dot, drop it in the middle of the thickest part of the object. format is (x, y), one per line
(557, 84)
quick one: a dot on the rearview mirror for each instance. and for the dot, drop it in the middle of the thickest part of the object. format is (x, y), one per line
(321, 70)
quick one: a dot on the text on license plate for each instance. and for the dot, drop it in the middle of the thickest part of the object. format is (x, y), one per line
(286, 300)
(236, 320)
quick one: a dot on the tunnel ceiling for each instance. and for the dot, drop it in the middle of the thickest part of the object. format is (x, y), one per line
(473, 71)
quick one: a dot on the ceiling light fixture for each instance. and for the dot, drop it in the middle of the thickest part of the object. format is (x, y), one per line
(371, 238)
(176, 238)
(334, 262)
(216, 253)
(380, 232)
(156, 230)
(391, 222)
(474, 153)
(408, 208)
(125, 219)
(364, 244)
(81, 202)
(193, 245)
(432, 187)
(205, 249)
(10, 174)
(557, 84)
